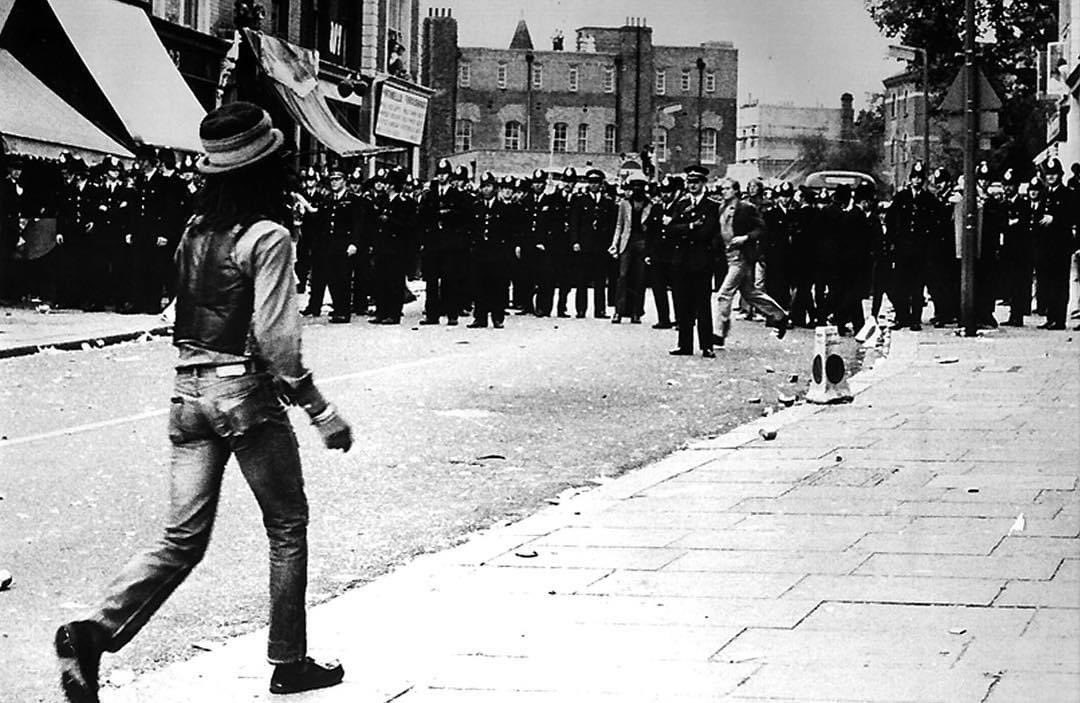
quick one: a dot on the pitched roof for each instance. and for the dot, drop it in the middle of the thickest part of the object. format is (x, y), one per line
(522, 39)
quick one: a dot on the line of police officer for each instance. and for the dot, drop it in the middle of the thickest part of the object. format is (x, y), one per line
(115, 231)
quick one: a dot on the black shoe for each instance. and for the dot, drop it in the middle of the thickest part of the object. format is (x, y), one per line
(474, 325)
(339, 319)
(1054, 326)
(390, 321)
(308, 312)
(635, 320)
(601, 316)
(916, 327)
(898, 325)
(681, 352)
(497, 325)
(718, 340)
(525, 311)
(564, 314)
(1013, 322)
(79, 651)
(615, 320)
(579, 316)
(429, 321)
(782, 327)
(662, 326)
(708, 353)
(452, 322)
(306, 675)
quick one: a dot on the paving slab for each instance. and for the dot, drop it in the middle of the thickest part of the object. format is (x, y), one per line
(816, 648)
(881, 683)
(758, 561)
(1044, 594)
(1042, 687)
(695, 584)
(899, 589)
(1026, 567)
(852, 619)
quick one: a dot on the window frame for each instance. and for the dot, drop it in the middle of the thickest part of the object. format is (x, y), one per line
(660, 85)
(583, 138)
(710, 82)
(685, 81)
(464, 75)
(502, 75)
(609, 79)
(538, 76)
(706, 134)
(512, 142)
(463, 137)
(611, 137)
(660, 145)
(559, 132)
(573, 79)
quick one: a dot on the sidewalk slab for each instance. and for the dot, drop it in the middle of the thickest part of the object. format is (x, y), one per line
(872, 552)
(25, 331)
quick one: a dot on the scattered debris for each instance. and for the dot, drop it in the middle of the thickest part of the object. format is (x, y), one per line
(793, 378)
(121, 677)
(767, 435)
(1018, 525)
(839, 458)
(957, 630)
(485, 457)
(205, 645)
(526, 553)
(785, 399)
(5, 579)
(755, 400)
(769, 369)
(973, 490)
(43, 309)
(86, 346)
(948, 360)
(672, 382)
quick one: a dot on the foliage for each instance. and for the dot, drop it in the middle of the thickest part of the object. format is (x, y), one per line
(1020, 27)
(862, 152)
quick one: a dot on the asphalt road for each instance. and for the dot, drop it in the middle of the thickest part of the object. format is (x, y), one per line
(552, 404)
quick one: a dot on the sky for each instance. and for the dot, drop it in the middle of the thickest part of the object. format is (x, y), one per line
(806, 52)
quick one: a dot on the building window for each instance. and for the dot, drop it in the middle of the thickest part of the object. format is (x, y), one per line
(708, 146)
(464, 75)
(512, 136)
(609, 138)
(502, 71)
(558, 137)
(538, 76)
(684, 81)
(583, 137)
(572, 79)
(659, 139)
(661, 81)
(336, 45)
(609, 79)
(710, 82)
(463, 135)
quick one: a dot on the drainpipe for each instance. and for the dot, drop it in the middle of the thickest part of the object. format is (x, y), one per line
(529, 58)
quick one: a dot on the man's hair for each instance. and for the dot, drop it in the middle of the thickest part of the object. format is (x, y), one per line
(245, 196)
(731, 182)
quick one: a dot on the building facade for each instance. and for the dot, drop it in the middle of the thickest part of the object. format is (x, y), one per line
(614, 93)
(770, 136)
(373, 45)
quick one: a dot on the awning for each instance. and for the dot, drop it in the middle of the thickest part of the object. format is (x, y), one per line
(292, 72)
(34, 121)
(131, 67)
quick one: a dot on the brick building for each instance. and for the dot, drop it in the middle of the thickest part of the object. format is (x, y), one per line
(614, 93)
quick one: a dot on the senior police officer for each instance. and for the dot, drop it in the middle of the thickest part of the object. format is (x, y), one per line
(660, 250)
(544, 223)
(694, 226)
(912, 223)
(445, 215)
(490, 255)
(238, 336)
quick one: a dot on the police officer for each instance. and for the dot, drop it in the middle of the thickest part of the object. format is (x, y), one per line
(394, 248)
(1018, 248)
(111, 199)
(943, 258)
(592, 220)
(331, 259)
(693, 225)
(911, 225)
(306, 203)
(544, 222)
(444, 216)
(1054, 245)
(563, 259)
(805, 223)
(776, 249)
(490, 255)
(660, 251)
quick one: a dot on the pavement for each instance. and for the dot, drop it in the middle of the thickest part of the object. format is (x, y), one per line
(921, 543)
(31, 330)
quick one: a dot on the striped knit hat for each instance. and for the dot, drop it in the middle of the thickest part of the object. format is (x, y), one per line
(237, 135)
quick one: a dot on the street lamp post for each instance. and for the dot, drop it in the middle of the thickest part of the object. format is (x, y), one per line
(971, 147)
(700, 88)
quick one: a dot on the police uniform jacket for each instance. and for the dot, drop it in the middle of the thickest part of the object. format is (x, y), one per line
(592, 221)
(395, 233)
(913, 221)
(695, 229)
(491, 233)
(1059, 204)
(341, 220)
(544, 221)
(444, 220)
(111, 201)
(660, 242)
(75, 212)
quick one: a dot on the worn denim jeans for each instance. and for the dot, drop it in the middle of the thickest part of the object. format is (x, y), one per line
(741, 277)
(210, 419)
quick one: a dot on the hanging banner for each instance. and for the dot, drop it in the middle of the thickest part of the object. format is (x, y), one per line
(401, 115)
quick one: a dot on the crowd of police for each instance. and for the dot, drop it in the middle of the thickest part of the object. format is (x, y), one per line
(563, 245)
(115, 231)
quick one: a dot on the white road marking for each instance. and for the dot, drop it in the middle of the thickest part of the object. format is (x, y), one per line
(77, 429)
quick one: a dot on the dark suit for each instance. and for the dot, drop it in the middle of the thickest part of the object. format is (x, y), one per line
(660, 251)
(694, 227)
(912, 226)
(1018, 256)
(339, 227)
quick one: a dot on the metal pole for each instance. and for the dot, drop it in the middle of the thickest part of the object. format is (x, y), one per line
(926, 108)
(700, 89)
(971, 147)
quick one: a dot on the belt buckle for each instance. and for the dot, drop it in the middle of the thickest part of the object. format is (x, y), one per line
(230, 370)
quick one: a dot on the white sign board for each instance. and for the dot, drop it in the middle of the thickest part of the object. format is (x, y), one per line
(401, 115)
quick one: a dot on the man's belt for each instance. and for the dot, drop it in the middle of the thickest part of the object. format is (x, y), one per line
(220, 370)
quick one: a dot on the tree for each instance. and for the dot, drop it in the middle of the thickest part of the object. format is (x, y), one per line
(862, 152)
(1020, 28)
